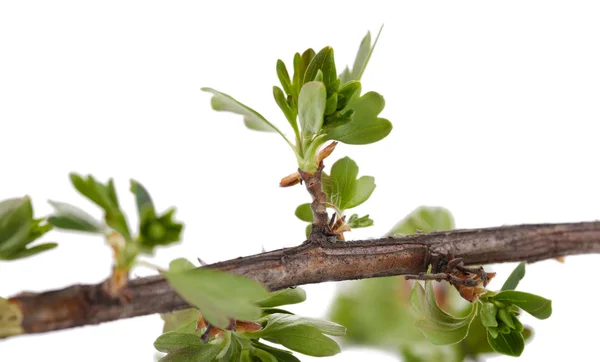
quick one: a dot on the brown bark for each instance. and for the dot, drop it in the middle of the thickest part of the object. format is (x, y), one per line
(320, 230)
(315, 263)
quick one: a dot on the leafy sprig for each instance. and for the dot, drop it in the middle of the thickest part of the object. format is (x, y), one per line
(319, 104)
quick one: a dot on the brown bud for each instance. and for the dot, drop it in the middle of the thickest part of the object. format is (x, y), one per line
(560, 259)
(325, 152)
(290, 180)
(244, 326)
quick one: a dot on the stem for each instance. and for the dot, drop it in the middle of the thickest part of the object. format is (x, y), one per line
(320, 230)
(80, 305)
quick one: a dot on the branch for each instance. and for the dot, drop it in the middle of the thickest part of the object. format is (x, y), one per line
(80, 305)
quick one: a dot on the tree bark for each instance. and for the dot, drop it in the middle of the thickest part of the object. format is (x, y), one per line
(80, 305)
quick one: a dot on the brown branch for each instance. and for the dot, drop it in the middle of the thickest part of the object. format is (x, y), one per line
(315, 263)
(320, 230)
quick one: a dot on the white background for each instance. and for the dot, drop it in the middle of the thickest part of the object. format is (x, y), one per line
(494, 106)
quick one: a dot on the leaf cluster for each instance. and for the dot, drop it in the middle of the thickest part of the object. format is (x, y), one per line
(154, 229)
(220, 296)
(319, 104)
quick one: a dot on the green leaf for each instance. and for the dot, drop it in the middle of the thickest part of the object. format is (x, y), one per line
(184, 347)
(105, 197)
(515, 277)
(162, 230)
(304, 212)
(281, 101)
(15, 224)
(283, 297)
(27, 252)
(301, 62)
(177, 319)
(511, 344)
(365, 126)
(226, 103)
(323, 61)
(363, 189)
(488, 313)
(535, 305)
(438, 326)
(362, 59)
(70, 217)
(356, 222)
(218, 295)
(331, 104)
(284, 77)
(263, 355)
(311, 107)
(424, 219)
(347, 92)
(142, 198)
(302, 335)
(173, 341)
(343, 189)
(281, 355)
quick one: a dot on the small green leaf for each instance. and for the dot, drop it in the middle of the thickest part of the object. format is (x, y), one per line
(173, 341)
(311, 107)
(15, 224)
(535, 305)
(506, 318)
(356, 222)
(362, 59)
(281, 101)
(363, 189)
(424, 219)
(218, 295)
(283, 297)
(365, 127)
(175, 320)
(340, 186)
(70, 217)
(515, 277)
(438, 326)
(304, 213)
(284, 77)
(226, 103)
(511, 344)
(27, 252)
(331, 104)
(162, 230)
(347, 92)
(301, 334)
(142, 198)
(282, 356)
(263, 355)
(103, 195)
(323, 61)
(488, 313)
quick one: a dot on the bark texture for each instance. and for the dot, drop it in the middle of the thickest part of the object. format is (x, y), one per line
(80, 305)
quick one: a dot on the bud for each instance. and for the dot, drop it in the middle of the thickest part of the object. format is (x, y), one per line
(290, 180)
(325, 152)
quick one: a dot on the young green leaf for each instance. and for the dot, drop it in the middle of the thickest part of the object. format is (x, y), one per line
(511, 344)
(181, 265)
(363, 189)
(177, 319)
(283, 297)
(104, 196)
(424, 219)
(16, 219)
(184, 347)
(515, 277)
(301, 62)
(142, 198)
(281, 101)
(488, 312)
(362, 59)
(347, 92)
(218, 295)
(70, 217)
(323, 61)
(311, 108)
(365, 126)
(263, 355)
(162, 230)
(301, 334)
(535, 305)
(226, 103)
(342, 187)
(282, 356)
(438, 326)
(304, 213)
(27, 252)
(284, 77)
(356, 222)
